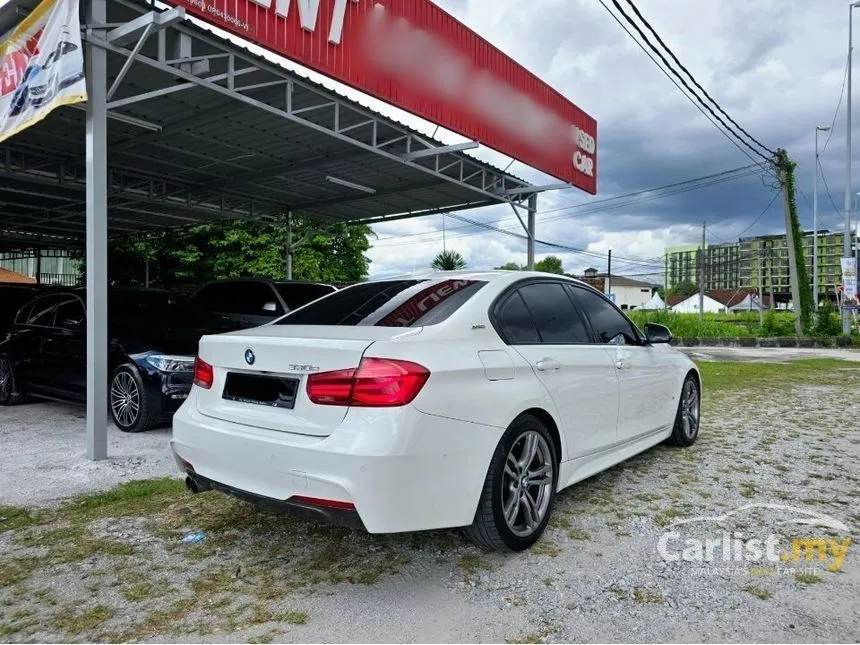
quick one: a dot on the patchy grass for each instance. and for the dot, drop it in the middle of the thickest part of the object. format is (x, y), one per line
(87, 620)
(740, 376)
(578, 534)
(13, 518)
(645, 597)
(748, 489)
(758, 592)
(292, 617)
(667, 516)
(546, 547)
(808, 578)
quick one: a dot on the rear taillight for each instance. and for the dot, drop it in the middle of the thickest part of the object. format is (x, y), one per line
(377, 382)
(203, 373)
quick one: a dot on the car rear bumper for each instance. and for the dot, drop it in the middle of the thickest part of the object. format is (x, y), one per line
(401, 469)
(339, 516)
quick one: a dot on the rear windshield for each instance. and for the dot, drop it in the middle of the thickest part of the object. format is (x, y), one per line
(298, 295)
(392, 303)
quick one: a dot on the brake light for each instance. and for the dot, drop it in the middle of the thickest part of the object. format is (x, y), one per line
(204, 375)
(377, 382)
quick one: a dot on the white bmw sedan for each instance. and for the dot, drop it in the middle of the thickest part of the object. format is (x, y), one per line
(464, 399)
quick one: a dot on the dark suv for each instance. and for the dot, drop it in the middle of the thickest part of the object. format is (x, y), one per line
(153, 340)
(251, 302)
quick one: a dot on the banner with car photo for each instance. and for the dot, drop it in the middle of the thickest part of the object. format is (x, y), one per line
(41, 66)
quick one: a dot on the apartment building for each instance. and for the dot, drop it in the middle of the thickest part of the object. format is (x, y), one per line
(736, 265)
(722, 269)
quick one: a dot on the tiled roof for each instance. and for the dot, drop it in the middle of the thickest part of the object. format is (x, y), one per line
(11, 277)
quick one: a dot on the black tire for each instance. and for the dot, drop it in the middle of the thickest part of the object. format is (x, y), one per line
(131, 408)
(686, 428)
(8, 391)
(490, 530)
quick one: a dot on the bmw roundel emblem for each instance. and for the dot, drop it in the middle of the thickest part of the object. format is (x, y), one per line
(249, 356)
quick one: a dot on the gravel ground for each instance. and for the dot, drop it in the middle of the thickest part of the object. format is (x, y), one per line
(49, 462)
(115, 568)
(768, 354)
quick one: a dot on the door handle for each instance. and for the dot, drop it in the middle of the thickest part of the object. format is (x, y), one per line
(619, 364)
(545, 364)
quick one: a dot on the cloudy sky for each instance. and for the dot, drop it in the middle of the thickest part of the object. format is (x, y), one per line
(776, 67)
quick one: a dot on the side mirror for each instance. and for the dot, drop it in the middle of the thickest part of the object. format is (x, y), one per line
(270, 306)
(657, 333)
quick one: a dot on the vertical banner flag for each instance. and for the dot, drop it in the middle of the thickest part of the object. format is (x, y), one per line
(849, 278)
(41, 66)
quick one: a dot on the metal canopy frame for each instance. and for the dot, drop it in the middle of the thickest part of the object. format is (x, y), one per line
(182, 126)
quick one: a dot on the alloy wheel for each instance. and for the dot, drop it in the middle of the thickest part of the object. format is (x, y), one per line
(690, 409)
(125, 399)
(5, 379)
(527, 483)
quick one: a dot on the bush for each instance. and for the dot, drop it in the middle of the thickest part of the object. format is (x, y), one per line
(828, 322)
(775, 325)
(689, 326)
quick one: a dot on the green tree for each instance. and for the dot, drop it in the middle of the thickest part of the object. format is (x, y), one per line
(511, 266)
(448, 261)
(550, 264)
(684, 289)
(240, 248)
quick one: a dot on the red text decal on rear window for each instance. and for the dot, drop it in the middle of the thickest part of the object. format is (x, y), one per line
(422, 302)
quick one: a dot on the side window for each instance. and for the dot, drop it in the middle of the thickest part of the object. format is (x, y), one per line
(244, 298)
(23, 314)
(42, 313)
(608, 324)
(516, 322)
(556, 318)
(70, 314)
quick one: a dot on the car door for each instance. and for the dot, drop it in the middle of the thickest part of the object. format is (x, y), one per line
(645, 384)
(64, 349)
(541, 322)
(30, 331)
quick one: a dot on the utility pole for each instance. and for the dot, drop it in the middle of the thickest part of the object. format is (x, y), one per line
(609, 275)
(702, 273)
(789, 242)
(846, 250)
(289, 248)
(760, 291)
(818, 128)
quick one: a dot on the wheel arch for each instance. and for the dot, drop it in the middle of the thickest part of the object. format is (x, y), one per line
(549, 421)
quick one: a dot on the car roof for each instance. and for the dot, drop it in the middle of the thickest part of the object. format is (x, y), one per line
(494, 275)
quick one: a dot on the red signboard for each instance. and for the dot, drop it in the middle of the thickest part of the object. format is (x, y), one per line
(415, 56)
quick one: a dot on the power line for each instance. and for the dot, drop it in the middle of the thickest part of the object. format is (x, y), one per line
(827, 188)
(694, 102)
(838, 105)
(754, 222)
(612, 202)
(691, 77)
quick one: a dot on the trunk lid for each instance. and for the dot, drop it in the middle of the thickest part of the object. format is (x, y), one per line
(289, 354)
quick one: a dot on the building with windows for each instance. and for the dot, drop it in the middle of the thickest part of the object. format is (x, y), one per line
(626, 292)
(47, 266)
(721, 265)
(750, 260)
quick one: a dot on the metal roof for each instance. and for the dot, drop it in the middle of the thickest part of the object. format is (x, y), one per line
(233, 136)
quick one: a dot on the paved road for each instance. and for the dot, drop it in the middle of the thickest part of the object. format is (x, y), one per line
(767, 354)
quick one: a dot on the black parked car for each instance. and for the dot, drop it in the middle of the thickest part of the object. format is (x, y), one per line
(153, 340)
(12, 296)
(257, 301)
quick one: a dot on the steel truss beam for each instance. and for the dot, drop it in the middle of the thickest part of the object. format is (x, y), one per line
(328, 117)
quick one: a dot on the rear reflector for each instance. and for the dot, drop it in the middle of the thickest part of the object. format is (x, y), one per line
(204, 375)
(377, 382)
(328, 503)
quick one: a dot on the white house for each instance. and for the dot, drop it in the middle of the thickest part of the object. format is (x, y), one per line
(627, 293)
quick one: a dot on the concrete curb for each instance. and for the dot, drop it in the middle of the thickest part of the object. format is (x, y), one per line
(781, 341)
